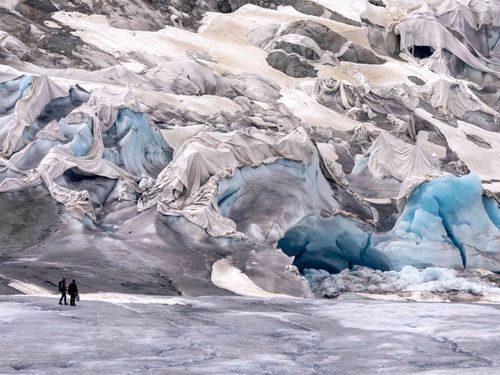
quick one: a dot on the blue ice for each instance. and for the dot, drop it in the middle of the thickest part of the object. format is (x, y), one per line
(446, 222)
(13, 90)
(443, 219)
(135, 145)
(331, 244)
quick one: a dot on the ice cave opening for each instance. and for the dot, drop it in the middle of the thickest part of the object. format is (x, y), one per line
(331, 244)
(422, 52)
(447, 222)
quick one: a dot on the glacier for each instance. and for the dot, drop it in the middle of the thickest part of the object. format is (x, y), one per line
(446, 222)
(408, 284)
(337, 136)
(298, 336)
(220, 173)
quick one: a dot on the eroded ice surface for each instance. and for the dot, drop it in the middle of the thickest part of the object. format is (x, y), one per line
(446, 222)
(428, 284)
(214, 335)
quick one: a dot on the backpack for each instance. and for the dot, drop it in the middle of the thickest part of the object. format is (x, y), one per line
(61, 286)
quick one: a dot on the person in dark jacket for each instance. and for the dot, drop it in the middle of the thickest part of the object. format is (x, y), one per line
(62, 289)
(73, 292)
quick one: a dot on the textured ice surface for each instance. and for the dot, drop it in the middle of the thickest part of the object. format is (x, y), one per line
(446, 222)
(134, 145)
(249, 197)
(13, 90)
(331, 243)
(492, 208)
(217, 335)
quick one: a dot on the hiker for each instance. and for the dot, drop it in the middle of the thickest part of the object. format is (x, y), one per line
(62, 289)
(73, 292)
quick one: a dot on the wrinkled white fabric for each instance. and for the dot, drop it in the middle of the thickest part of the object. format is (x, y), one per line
(105, 102)
(410, 164)
(454, 98)
(453, 26)
(326, 57)
(42, 92)
(330, 157)
(188, 186)
(102, 109)
(416, 32)
(440, 96)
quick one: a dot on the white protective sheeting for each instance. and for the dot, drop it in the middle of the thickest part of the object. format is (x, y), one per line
(453, 98)
(330, 157)
(188, 186)
(411, 164)
(444, 25)
(326, 57)
(42, 92)
(100, 111)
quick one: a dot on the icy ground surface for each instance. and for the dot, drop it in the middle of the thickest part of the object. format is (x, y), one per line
(236, 335)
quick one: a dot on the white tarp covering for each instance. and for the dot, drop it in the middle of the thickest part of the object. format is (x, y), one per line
(445, 24)
(43, 91)
(330, 157)
(410, 164)
(454, 98)
(101, 111)
(326, 57)
(188, 186)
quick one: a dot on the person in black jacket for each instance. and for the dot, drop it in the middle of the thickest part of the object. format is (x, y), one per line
(73, 292)
(62, 289)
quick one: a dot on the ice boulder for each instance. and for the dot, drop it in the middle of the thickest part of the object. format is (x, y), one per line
(492, 208)
(446, 222)
(432, 283)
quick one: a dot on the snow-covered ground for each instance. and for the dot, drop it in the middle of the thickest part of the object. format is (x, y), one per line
(237, 335)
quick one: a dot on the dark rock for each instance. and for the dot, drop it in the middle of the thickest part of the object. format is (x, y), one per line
(291, 64)
(224, 6)
(332, 41)
(416, 80)
(378, 3)
(478, 140)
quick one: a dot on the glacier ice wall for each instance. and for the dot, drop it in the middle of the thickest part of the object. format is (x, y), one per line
(134, 145)
(492, 208)
(446, 222)
(249, 197)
